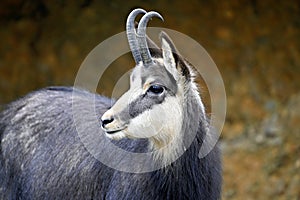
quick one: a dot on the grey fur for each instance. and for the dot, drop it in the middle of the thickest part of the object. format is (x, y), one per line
(42, 155)
(145, 101)
(50, 162)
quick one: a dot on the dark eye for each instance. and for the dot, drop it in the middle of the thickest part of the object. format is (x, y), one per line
(156, 89)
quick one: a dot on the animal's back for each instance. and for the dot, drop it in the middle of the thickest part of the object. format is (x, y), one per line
(49, 137)
(42, 156)
(41, 153)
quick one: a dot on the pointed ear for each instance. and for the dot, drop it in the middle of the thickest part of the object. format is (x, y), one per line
(172, 59)
(169, 54)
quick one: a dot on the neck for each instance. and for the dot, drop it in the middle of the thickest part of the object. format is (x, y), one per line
(183, 176)
(186, 139)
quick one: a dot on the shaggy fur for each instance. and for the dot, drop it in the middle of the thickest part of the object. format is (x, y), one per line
(48, 139)
(42, 157)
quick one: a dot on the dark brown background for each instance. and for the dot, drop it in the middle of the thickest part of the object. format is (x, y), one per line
(255, 44)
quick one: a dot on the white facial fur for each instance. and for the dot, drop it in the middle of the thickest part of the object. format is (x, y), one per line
(162, 122)
(159, 123)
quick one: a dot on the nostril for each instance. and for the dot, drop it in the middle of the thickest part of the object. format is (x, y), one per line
(107, 121)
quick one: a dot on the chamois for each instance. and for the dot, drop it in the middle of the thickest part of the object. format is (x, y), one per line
(42, 156)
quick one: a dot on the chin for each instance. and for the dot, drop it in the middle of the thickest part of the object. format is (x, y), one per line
(116, 136)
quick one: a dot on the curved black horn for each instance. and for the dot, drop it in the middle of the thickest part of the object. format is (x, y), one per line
(131, 34)
(141, 36)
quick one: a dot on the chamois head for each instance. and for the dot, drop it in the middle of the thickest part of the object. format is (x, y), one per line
(160, 84)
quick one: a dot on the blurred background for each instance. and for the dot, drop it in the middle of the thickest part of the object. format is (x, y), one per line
(255, 44)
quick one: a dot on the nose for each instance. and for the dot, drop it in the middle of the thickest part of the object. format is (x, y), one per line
(106, 121)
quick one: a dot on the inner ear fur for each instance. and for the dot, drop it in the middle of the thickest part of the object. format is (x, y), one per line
(164, 36)
(180, 63)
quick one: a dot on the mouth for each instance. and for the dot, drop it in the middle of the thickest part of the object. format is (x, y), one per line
(115, 134)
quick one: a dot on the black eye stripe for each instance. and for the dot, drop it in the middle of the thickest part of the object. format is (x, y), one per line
(143, 103)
